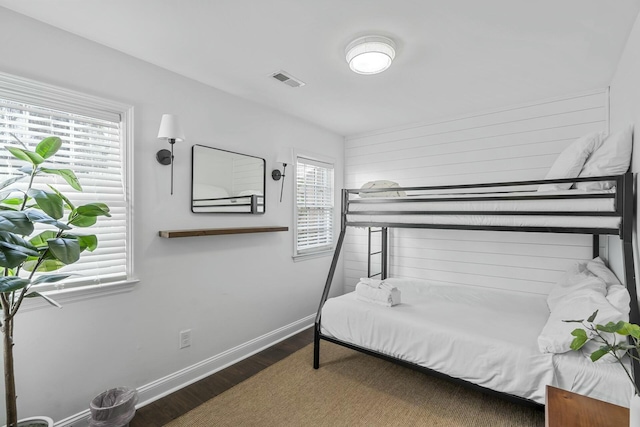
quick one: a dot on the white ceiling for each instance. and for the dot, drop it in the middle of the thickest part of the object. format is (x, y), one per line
(454, 56)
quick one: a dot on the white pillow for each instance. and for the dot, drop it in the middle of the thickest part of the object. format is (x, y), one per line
(612, 158)
(571, 160)
(617, 294)
(576, 279)
(249, 193)
(556, 336)
(382, 184)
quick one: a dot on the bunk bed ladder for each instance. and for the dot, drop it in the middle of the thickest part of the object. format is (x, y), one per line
(382, 252)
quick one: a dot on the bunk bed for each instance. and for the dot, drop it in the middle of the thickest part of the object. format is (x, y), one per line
(510, 206)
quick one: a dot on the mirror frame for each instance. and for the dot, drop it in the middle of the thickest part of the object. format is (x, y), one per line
(255, 201)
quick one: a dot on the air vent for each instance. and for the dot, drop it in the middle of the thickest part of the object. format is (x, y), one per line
(287, 79)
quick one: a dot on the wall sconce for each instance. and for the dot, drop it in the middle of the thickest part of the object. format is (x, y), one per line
(170, 130)
(285, 157)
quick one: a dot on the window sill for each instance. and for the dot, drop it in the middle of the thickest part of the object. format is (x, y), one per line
(82, 293)
(303, 257)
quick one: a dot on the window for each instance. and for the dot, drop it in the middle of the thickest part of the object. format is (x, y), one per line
(314, 206)
(94, 134)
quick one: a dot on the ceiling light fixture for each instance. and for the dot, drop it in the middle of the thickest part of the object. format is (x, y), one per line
(370, 54)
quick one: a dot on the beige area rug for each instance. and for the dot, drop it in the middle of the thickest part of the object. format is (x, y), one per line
(352, 389)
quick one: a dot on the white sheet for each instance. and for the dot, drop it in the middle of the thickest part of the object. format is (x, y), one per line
(541, 205)
(487, 337)
(603, 381)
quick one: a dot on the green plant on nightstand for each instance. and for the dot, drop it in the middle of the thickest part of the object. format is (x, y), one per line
(605, 335)
(37, 238)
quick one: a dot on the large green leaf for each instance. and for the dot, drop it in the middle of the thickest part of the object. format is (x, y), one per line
(43, 296)
(63, 197)
(45, 266)
(12, 283)
(40, 240)
(65, 249)
(630, 329)
(88, 242)
(14, 201)
(610, 327)
(26, 155)
(37, 216)
(68, 176)
(580, 339)
(83, 221)
(9, 237)
(48, 146)
(50, 278)
(10, 181)
(26, 170)
(12, 255)
(50, 203)
(16, 222)
(93, 209)
(596, 355)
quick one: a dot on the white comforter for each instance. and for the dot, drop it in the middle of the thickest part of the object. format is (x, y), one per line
(487, 337)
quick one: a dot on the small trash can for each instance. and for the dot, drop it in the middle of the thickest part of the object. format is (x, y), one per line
(113, 408)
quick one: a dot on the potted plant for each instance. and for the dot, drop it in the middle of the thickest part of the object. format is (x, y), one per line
(37, 238)
(605, 335)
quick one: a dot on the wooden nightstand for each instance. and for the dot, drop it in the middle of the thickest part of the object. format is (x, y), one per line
(566, 409)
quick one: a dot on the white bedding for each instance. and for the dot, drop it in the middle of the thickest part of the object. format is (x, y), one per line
(534, 205)
(487, 337)
(239, 204)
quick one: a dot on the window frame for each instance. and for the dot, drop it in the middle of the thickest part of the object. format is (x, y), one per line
(30, 91)
(325, 251)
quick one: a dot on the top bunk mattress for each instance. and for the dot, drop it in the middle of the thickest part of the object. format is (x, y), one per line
(484, 336)
(562, 208)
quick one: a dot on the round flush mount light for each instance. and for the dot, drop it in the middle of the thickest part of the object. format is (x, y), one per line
(370, 54)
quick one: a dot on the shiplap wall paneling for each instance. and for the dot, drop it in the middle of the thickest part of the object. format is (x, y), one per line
(511, 144)
(248, 175)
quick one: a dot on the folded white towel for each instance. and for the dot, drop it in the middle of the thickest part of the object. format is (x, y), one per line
(373, 283)
(384, 297)
(387, 286)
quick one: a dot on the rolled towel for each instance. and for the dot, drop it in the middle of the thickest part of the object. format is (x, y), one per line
(373, 283)
(384, 297)
(387, 286)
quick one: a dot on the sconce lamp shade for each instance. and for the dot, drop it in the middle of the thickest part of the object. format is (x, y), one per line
(285, 156)
(370, 54)
(171, 131)
(170, 128)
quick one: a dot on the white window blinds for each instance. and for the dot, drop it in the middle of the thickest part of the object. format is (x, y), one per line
(314, 201)
(93, 148)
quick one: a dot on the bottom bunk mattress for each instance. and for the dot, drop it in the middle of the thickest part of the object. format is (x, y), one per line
(484, 336)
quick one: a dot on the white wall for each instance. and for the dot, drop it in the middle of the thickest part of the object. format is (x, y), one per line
(625, 104)
(511, 144)
(228, 290)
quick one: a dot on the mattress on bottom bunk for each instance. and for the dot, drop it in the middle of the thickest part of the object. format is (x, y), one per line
(484, 336)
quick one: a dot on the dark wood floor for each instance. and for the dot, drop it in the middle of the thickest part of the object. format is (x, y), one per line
(172, 406)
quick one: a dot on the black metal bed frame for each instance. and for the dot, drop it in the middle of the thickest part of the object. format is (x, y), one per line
(624, 209)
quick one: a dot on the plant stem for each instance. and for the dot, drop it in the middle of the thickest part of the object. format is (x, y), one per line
(26, 197)
(9, 380)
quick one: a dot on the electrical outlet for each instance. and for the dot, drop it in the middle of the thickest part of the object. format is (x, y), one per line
(185, 338)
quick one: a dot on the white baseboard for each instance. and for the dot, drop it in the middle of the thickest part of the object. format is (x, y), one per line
(157, 389)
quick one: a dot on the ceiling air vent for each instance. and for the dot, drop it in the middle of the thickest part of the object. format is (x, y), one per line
(287, 79)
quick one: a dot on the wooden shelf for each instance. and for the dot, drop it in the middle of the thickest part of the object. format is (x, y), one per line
(170, 234)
